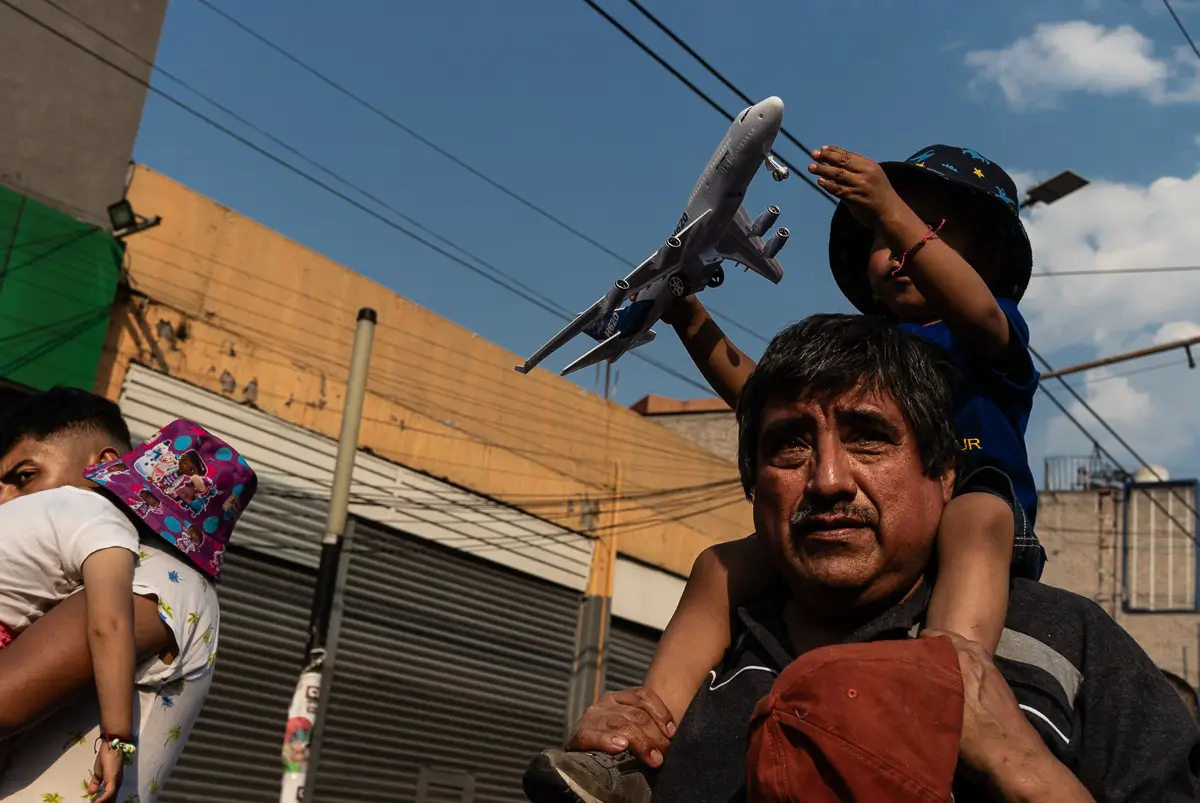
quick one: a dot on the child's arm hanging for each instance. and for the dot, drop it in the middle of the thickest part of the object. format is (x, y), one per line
(108, 578)
(722, 363)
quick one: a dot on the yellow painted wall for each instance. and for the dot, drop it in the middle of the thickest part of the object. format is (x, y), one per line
(242, 302)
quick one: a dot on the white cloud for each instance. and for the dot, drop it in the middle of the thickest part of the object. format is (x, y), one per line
(1110, 226)
(1078, 56)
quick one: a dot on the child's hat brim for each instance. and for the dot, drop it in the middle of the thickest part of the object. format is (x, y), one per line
(850, 241)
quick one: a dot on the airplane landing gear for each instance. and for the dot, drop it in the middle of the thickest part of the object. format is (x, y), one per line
(677, 285)
(718, 277)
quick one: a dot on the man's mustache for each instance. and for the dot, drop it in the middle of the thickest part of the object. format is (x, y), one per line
(863, 514)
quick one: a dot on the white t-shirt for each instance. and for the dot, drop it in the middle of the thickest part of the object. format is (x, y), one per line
(44, 540)
(53, 761)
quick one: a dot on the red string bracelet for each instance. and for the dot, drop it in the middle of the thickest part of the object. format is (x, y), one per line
(929, 235)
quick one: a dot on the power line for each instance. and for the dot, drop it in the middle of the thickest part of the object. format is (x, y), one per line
(712, 71)
(1182, 30)
(389, 118)
(1116, 271)
(1108, 428)
(700, 93)
(557, 310)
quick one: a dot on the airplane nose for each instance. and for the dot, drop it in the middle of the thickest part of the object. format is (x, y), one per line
(772, 107)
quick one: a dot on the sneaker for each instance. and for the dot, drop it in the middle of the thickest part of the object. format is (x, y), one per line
(559, 776)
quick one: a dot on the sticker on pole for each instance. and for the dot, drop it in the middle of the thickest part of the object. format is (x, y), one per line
(297, 737)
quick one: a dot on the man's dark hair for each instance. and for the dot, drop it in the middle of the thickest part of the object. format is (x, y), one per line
(59, 411)
(824, 356)
(1186, 691)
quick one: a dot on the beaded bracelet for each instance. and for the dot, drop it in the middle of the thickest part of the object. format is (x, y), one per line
(913, 249)
(120, 744)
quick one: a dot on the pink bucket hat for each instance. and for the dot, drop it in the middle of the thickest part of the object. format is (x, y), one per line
(188, 485)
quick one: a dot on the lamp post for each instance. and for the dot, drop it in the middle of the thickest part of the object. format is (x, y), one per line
(1054, 189)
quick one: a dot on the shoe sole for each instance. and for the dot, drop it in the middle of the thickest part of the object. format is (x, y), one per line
(543, 783)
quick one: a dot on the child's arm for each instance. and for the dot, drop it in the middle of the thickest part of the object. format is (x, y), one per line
(975, 545)
(722, 363)
(946, 279)
(108, 578)
(723, 578)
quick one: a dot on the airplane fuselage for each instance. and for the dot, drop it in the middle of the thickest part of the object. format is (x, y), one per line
(720, 191)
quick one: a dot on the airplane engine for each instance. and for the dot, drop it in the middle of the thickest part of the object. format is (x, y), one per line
(613, 299)
(764, 222)
(776, 243)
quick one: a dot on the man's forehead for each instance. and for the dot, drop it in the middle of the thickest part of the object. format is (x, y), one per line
(860, 400)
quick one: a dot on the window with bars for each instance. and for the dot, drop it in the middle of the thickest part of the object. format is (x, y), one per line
(1159, 555)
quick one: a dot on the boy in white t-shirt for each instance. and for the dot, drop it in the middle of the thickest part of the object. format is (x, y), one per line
(61, 539)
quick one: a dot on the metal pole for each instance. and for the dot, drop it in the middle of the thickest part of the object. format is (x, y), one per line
(306, 700)
(1185, 344)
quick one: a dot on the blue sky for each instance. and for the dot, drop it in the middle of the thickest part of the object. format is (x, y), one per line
(550, 100)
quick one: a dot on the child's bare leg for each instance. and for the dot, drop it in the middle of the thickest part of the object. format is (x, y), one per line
(975, 546)
(723, 578)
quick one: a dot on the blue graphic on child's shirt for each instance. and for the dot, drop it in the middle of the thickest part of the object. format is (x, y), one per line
(173, 576)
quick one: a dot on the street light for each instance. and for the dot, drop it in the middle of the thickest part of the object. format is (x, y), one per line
(1054, 189)
(125, 221)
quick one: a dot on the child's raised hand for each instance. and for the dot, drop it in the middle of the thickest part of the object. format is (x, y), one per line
(108, 771)
(855, 179)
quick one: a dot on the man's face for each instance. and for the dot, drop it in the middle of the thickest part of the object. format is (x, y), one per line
(841, 501)
(37, 465)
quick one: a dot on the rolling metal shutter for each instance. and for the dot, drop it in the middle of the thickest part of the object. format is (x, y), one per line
(450, 674)
(234, 750)
(630, 648)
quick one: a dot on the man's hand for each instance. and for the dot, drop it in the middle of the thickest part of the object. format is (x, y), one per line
(998, 747)
(857, 180)
(630, 719)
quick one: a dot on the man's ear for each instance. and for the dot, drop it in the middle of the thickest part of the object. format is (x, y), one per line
(948, 486)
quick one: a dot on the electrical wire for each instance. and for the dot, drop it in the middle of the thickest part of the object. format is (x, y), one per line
(553, 310)
(1182, 29)
(700, 93)
(391, 119)
(1115, 272)
(1063, 409)
(728, 84)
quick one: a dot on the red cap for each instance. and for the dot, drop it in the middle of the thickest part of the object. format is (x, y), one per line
(874, 723)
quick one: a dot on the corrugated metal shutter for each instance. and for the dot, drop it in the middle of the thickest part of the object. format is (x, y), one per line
(451, 673)
(234, 751)
(630, 648)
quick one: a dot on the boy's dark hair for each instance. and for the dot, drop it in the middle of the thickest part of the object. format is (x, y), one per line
(62, 410)
(824, 356)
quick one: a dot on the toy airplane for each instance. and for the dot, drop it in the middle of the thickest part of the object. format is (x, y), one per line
(714, 227)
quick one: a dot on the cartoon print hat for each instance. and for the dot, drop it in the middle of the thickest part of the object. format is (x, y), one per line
(187, 485)
(958, 170)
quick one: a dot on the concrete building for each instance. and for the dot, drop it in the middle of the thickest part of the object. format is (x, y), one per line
(68, 134)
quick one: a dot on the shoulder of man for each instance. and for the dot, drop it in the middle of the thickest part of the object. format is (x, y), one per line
(187, 604)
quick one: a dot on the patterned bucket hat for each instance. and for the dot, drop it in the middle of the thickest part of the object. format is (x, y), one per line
(187, 485)
(957, 170)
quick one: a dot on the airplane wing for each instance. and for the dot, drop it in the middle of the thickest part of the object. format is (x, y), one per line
(738, 246)
(652, 267)
(564, 336)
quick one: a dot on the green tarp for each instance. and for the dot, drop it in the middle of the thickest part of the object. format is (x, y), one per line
(58, 279)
